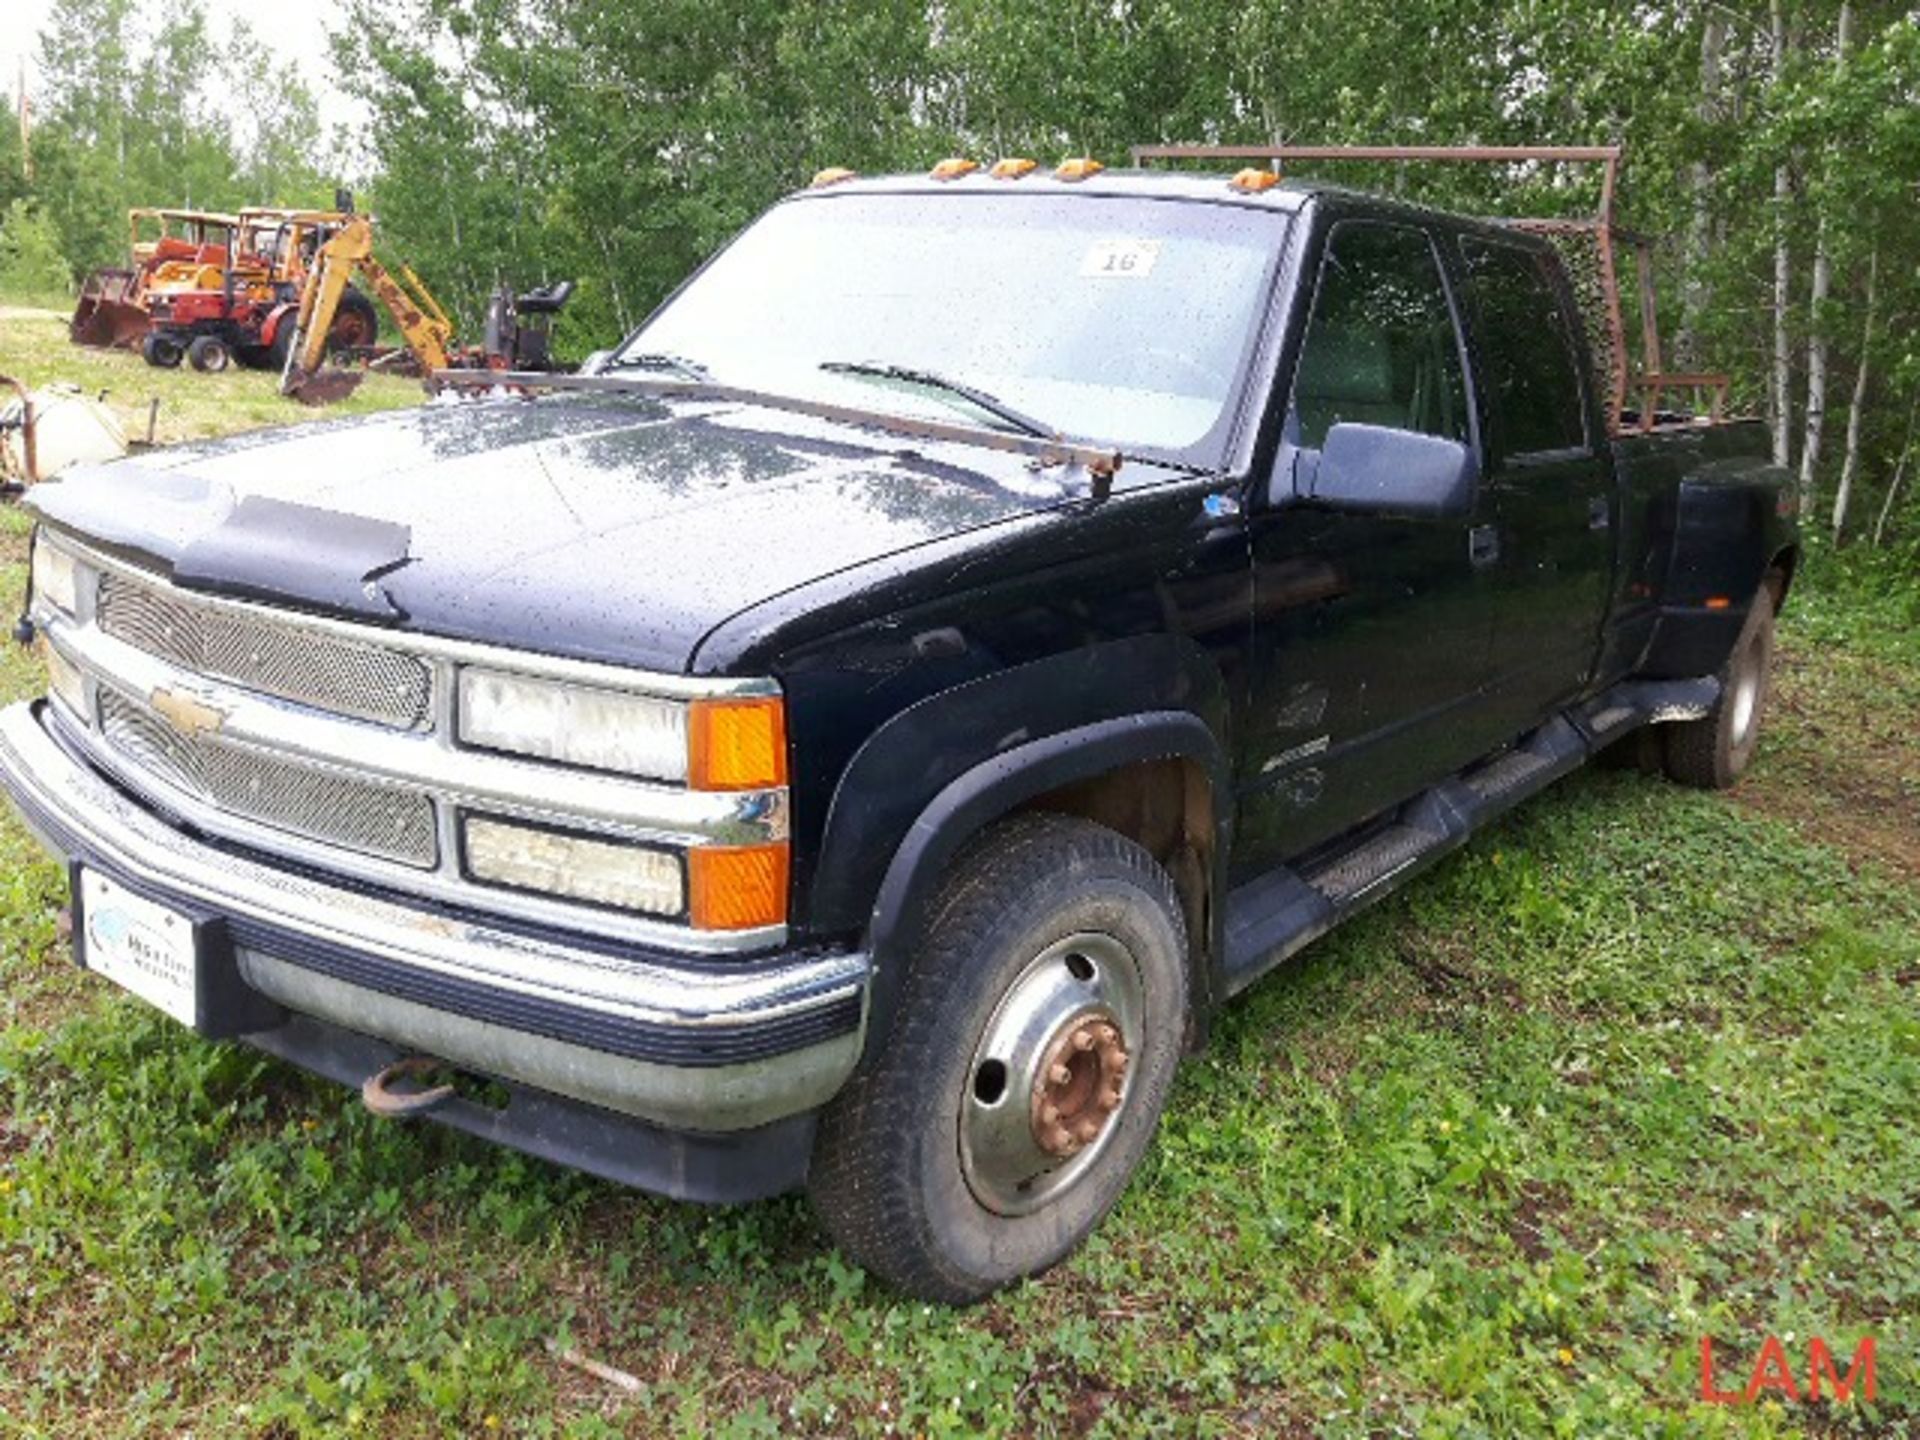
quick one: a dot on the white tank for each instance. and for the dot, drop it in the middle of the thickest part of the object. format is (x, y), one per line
(69, 428)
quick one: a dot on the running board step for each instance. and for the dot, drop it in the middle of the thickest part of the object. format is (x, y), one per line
(1274, 916)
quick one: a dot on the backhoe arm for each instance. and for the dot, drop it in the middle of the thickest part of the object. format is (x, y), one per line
(423, 325)
(327, 281)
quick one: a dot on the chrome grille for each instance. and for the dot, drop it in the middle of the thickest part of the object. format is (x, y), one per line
(384, 820)
(307, 666)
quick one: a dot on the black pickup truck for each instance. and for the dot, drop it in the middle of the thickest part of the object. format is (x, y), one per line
(857, 735)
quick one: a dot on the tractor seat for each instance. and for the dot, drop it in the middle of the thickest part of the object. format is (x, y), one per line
(547, 300)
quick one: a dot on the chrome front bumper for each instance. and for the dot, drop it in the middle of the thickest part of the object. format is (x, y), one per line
(694, 1043)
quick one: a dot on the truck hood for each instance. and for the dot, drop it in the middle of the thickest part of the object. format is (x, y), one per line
(608, 528)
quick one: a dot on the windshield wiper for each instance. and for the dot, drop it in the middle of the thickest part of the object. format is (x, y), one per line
(928, 379)
(658, 360)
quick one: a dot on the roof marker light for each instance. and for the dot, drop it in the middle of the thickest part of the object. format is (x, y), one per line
(1013, 167)
(1079, 168)
(1251, 181)
(832, 175)
(954, 167)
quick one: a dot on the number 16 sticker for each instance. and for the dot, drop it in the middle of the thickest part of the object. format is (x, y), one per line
(1121, 259)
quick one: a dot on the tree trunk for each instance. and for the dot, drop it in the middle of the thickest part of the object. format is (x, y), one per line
(1899, 473)
(1780, 394)
(1817, 343)
(1850, 466)
(1693, 296)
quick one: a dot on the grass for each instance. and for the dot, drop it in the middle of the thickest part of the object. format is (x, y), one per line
(1638, 1066)
(34, 349)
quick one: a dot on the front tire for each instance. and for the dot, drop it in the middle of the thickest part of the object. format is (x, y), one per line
(161, 350)
(208, 354)
(1711, 753)
(1037, 1034)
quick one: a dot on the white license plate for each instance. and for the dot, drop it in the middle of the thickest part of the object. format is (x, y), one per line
(141, 946)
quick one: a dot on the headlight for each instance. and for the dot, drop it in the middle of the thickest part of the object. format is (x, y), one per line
(56, 576)
(592, 869)
(725, 743)
(576, 725)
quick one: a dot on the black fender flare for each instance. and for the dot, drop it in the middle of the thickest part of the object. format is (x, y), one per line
(1000, 784)
(1733, 526)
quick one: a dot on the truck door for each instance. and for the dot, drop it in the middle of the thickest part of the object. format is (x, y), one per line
(1369, 629)
(1550, 482)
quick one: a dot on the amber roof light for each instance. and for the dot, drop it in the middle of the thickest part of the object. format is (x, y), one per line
(1013, 167)
(1079, 168)
(832, 175)
(954, 167)
(1252, 181)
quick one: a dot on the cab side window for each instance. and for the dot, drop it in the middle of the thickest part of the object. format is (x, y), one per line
(1381, 348)
(1528, 360)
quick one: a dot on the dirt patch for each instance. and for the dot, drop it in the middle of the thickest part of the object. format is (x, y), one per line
(1844, 765)
(1534, 1208)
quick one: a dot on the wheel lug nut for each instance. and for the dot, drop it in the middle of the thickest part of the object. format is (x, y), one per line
(1086, 1130)
(1083, 1040)
(1110, 1100)
(1049, 1114)
(1117, 1060)
(1109, 1035)
(1059, 1074)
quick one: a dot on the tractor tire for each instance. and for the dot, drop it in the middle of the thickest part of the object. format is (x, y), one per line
(209, 354)
(1712, 752)
(1039, 1025)
(282, 346)
(161, 350)
(355, 323)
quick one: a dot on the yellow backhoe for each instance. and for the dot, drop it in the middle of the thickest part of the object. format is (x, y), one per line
(517, 326)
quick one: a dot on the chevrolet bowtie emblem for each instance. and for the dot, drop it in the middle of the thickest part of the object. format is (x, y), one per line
(188, 714)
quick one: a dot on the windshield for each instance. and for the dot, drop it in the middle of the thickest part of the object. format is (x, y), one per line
(1113, 319)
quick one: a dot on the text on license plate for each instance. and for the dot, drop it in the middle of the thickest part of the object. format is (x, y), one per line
(141, 946)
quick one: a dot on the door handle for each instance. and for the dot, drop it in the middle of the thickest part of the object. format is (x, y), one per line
(1599, 513)
(1483, 545)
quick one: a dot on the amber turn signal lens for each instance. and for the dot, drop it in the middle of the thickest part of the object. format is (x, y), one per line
(737, 888)
(1719, 602)
(737, 744)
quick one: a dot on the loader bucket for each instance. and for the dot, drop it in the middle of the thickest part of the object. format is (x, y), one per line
(320, 387)
(107, 313)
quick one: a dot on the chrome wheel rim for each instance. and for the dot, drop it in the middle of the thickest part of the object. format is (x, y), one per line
(1052, 1074)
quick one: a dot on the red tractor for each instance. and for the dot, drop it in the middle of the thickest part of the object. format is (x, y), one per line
(163, 247)
(242, 309)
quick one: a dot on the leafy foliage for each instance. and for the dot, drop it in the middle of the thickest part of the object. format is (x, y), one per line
(144, 104)
(31, 264)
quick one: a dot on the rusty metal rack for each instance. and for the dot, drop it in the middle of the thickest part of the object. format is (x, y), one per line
(1589, 244)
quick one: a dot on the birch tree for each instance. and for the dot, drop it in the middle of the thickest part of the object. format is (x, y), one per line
(1817, 319)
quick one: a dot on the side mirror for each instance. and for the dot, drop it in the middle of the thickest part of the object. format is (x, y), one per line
(1375, 467)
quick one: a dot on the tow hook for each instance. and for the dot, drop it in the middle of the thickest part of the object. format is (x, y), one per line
(378, 1092)
(23, 631)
